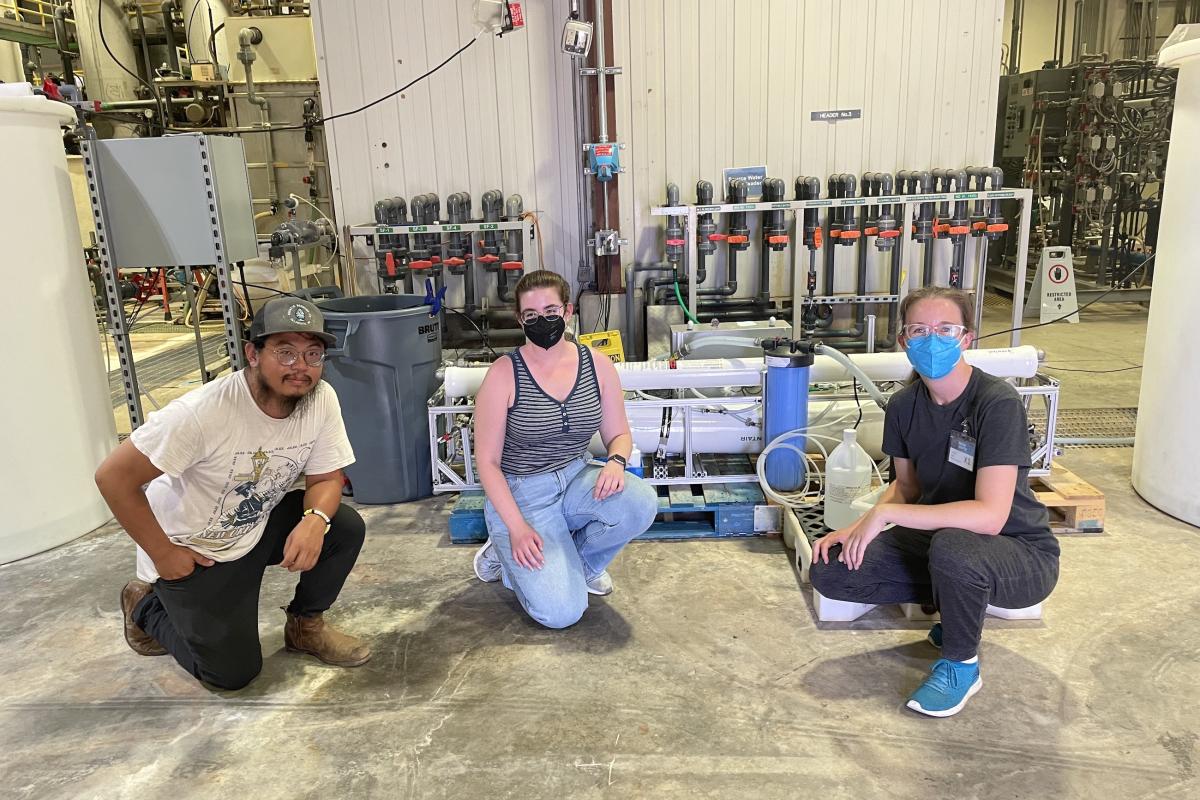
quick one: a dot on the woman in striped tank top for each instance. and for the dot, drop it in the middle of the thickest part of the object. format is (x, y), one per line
(554, 522)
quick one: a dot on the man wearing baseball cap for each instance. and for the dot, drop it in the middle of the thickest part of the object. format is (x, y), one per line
(205, 489)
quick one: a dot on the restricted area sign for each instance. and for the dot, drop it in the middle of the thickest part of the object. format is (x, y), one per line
(1053, 295)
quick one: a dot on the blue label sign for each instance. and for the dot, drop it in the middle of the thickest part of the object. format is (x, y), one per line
(836, 115)
(753, 176)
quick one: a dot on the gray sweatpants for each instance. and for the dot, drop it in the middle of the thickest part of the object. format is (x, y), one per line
(957, 571)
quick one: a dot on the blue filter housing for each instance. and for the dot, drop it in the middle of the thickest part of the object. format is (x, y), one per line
(785, 408)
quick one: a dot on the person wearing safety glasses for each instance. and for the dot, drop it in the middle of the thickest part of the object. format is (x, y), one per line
(205, 490)
(555, 522)
(968, 531)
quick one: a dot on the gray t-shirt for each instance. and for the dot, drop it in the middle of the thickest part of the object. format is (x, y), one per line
(991, 412)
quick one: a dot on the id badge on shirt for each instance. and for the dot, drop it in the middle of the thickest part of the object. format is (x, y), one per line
(962, 450)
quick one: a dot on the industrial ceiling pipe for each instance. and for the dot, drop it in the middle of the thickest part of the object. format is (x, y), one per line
(62, 43)
(167, 10)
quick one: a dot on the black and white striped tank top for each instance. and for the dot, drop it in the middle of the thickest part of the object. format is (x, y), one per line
(542, 434)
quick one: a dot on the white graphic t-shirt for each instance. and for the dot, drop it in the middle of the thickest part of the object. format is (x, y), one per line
(226, 464)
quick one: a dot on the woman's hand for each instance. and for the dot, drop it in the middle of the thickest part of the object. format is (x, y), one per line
(610, 481)
(526, 546)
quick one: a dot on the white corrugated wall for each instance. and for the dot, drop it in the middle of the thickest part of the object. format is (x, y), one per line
(706, 84)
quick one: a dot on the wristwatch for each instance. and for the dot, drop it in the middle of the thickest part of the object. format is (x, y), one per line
(316, 512)
(620, 459)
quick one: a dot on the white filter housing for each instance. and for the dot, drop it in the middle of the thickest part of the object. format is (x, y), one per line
(1168, 435)
(57, 412)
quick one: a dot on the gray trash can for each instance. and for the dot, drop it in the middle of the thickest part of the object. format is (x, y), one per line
(384, 369)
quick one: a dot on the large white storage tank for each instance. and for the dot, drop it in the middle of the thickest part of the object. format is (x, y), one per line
(55, 406)
(1167, 446)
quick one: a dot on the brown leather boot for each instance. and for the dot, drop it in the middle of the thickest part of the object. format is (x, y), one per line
(314, 636)
(138, 640)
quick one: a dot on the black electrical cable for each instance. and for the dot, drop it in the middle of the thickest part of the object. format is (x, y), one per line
(858, 402)
(187, 30)
(1095, 299)
(486, 341)
(134, 75)
(387, 96)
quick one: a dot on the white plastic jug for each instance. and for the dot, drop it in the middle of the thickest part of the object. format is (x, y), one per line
(847, 477)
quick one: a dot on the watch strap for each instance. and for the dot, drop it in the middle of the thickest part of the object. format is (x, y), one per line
(620, 459)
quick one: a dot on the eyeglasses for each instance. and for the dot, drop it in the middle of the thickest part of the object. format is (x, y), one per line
(529, 316)
(916, 330)
(287, 357)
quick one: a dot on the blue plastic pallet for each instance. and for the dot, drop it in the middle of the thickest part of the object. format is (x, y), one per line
(684, 512)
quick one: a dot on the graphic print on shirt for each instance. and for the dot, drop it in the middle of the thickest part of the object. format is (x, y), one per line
(254, 484)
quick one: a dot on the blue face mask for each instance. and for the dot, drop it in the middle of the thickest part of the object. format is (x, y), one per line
(933, 356)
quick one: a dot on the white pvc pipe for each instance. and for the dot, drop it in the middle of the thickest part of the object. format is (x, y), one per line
(714, 373)
(721, 433)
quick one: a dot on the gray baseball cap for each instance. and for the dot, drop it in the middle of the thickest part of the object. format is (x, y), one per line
(289, 315)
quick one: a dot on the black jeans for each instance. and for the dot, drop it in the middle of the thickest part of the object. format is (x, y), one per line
(958, 571)
(209, 620)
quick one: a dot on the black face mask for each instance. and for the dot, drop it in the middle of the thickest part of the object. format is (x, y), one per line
(545, 332)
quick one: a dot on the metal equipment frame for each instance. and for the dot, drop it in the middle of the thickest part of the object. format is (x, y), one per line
(446, 418)
(112, 284)
(1024, 198)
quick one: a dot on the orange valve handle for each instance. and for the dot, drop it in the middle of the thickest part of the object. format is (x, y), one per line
(835, 234)
(871, 231)
(777, 239)
(958, 230)
(998, 228)
(979, 226)
(851, 234)
(435, 259)
(421, 264)
(489, 258)
(513, 265)
(816, 237)
(892, 234)
(737, 239)
(717, 237)
(454, 262)
(676, 242)
(390, 261)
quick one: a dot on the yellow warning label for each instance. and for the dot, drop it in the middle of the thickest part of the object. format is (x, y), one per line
(607, 342)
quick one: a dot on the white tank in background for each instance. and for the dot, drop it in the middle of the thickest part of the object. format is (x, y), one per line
(1168, 436)
(847, 478)
(56, 409)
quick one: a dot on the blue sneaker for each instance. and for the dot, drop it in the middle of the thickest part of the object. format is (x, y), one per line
(947, 689)
(935, 635)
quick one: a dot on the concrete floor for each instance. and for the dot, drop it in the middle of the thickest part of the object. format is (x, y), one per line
(703, 675)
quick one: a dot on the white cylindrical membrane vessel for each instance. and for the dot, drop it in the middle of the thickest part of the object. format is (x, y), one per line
(1003, 362)
(57, 410)
(717, 433)
(1168, 436)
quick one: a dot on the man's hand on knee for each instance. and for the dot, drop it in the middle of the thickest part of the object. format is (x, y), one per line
(303, 545)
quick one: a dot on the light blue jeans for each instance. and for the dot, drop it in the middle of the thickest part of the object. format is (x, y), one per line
(580, 536)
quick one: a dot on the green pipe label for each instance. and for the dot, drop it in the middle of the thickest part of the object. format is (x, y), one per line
(1001, 194)
(819, 202)
(382, 229)
(781, 205)
(706, 209)
(418, 228)
(489, 226)
(966, 196)
(744, 207)
(452, 227)
(851, 201)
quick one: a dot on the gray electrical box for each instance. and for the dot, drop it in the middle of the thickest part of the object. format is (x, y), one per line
(175, 201)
